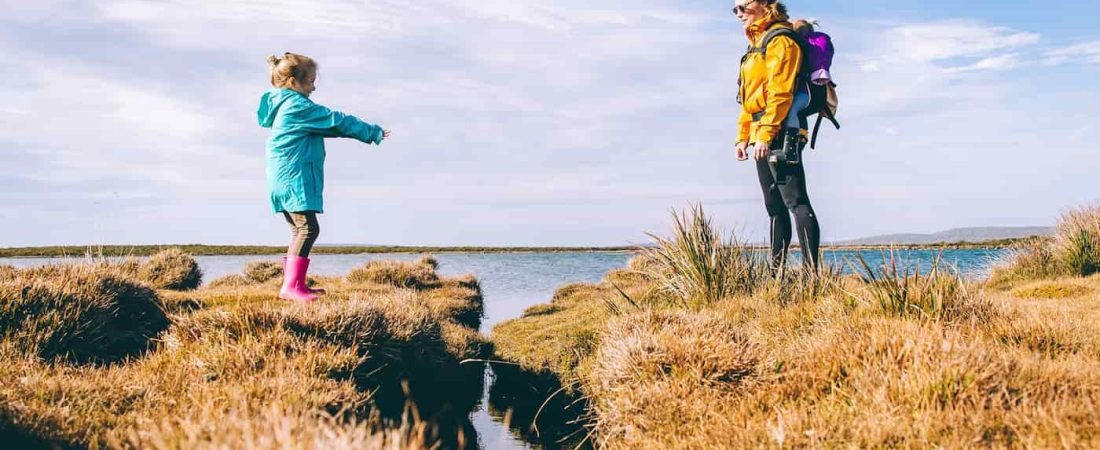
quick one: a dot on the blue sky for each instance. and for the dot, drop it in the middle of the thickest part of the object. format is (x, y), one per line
(539, 122)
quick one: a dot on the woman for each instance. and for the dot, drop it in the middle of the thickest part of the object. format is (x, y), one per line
(767, 87)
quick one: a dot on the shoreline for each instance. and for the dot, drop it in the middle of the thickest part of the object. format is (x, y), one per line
(246, 250)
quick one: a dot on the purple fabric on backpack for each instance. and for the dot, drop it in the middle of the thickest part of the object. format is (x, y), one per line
(820, 52)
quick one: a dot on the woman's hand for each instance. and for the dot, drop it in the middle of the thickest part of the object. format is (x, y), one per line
(742, 151)
(762, 150)
(385, 134)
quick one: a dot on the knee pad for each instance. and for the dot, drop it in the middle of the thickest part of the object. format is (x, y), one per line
(802, 211)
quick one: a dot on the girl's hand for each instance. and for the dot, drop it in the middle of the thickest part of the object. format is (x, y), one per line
(385, 134)
(742, 151)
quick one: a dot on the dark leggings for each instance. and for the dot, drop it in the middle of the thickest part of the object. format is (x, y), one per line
(304, 230)
(783, 199)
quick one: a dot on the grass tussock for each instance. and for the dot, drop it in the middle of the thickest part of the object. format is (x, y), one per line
(900, 289)
(79, 314)
(263, 271)
(418, 275)
(277, 426)
(230, 366)
(894, 358)
(698, 265)
(171, 269)
(231, 281)
(1073, 251)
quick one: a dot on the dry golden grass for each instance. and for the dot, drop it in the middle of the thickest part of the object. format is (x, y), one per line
(82, 314)
(553, 338)
(891, 360)
(418, 275)
(834, 371)
(1073, 251)
(236, 368)
(171, 269)
(1052, 290)
(263, 271)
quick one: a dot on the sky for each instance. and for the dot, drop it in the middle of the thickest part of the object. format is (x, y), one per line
(532, 122)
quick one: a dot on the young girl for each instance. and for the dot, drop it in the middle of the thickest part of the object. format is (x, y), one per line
(296, 159)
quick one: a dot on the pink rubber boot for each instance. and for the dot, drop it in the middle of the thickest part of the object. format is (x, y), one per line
(294, 281)
(317, 292)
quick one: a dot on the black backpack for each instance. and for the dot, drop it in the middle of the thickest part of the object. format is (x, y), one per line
(823, 99)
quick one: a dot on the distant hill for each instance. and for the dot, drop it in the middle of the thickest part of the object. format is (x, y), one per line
(974, 234)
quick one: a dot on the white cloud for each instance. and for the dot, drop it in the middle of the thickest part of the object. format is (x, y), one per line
(992, 63)
(1086, 53)
(930, 63)
(570, 121)
(944, 40)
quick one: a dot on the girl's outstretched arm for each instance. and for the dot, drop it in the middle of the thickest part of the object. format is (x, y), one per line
(318, 119)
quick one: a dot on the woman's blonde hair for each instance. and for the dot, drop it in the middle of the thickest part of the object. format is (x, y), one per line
(290, 66)
(776, 9)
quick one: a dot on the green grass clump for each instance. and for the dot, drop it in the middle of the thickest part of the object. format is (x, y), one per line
(171, 269)
(698, 266)
(900, 289)
(417, 275)
(1073, 251)
(81, 314)
(1077, 241)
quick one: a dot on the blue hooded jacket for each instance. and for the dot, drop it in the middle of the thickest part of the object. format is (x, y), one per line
(296, 148)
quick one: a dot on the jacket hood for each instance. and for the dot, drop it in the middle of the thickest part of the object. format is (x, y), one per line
(270, 103)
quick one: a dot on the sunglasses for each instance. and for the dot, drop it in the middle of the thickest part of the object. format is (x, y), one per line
(740, 9)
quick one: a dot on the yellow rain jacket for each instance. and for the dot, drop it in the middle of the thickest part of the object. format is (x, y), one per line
(767, 83)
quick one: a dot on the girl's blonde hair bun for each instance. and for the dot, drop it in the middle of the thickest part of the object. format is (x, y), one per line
(291, 66)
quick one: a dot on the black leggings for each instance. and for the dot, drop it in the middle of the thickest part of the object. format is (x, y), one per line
(783, 199)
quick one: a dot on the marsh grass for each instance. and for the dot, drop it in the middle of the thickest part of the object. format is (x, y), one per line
(418, 275)
(894, 357)
(793, 285)
(1077, 241)
(7, 271)
(171, 269)
(82, 314)
(230, 367)
(698, 266)
(1073, 251)
(263, 271)
(901, 289)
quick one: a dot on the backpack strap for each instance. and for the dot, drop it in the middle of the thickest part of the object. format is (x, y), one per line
(824, 114)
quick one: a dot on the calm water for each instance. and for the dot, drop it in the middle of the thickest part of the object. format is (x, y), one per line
(511, 282)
